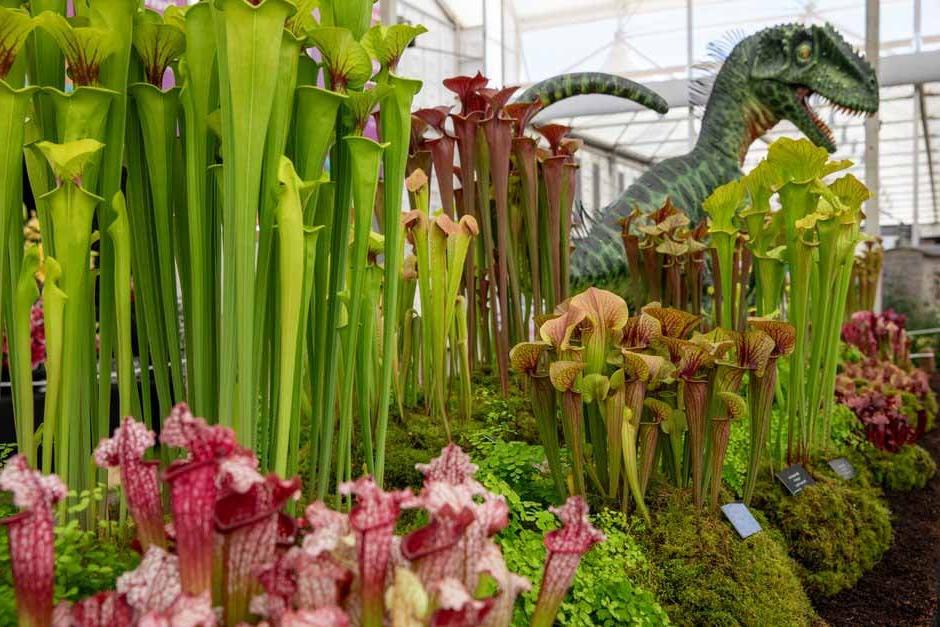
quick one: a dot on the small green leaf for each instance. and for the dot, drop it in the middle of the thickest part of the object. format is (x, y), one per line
(214, 122)
(737, 406)
(564, 374)
(723, 205)
(346, 59)
(157, 44)
(302, 22)
(851, 191)
(760, 183)
(676, 423)
(594, 387)
(354, 15)
(800, 160)
(363, 103)
(85, 47)
(69, 160)
(388, 43)
(524, 356)
(176, 16)
(376, 243)
(15, 27)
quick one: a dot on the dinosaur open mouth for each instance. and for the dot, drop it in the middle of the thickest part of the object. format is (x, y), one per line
(802, 96)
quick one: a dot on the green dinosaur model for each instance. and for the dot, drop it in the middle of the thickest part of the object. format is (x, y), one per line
(767, 77)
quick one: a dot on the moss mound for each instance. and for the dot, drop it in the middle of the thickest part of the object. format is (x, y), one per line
(709, 576)
(417, 437)
(835, 530)
(908, 469)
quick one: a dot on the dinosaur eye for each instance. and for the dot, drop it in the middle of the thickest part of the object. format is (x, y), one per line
(804, 51)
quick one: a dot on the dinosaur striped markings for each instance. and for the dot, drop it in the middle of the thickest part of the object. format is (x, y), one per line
(762, 80)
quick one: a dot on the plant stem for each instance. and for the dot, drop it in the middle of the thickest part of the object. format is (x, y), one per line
(395, 126)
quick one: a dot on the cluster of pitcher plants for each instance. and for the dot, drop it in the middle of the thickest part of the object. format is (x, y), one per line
(621, 381)
(218, 222)
(233, 554)
(191, 230)
(889, 395)
(218, 191)
(666, 258)
(519, 196)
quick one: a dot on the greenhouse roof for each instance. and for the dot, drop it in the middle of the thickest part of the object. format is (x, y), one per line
(647, 40)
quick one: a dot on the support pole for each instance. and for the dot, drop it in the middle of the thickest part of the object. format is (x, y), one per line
(690, 54)
(915, 171)
(915, 98)
(872, 51)
(494, 46)
(389, 12)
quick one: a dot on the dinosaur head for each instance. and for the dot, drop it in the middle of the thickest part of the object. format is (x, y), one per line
(790, 63)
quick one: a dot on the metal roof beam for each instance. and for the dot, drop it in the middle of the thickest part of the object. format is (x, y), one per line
(919, 93)
(617, 151)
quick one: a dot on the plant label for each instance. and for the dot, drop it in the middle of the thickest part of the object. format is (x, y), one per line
(795, 478)
(741, 519)
(842, 467)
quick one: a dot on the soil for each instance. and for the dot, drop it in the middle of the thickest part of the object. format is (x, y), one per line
(903, 588)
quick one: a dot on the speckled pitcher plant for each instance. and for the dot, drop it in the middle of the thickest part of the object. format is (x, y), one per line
(236, 556)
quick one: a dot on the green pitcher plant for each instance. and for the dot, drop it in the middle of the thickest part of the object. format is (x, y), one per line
(72, 209)
(441, 247)
(195, 273)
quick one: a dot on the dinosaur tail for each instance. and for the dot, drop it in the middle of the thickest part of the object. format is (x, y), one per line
(564, 86)
(598, 257)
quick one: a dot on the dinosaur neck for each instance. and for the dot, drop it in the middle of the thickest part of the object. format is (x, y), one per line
(734, 118)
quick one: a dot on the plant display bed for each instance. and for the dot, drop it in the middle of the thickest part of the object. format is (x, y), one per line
(902, 589)
(328, 411)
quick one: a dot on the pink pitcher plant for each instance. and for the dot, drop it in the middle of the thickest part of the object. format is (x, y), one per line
(231, 556)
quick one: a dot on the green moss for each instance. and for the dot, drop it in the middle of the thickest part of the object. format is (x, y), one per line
(908, 469)
(414, 440)
(709, 576)
(512, 414)
(835, 530)
(417, 437)
(930, 403)
(864, 478)
(734, 470)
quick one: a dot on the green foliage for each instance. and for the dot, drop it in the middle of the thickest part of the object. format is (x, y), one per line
(835, 530)
(846, 429)
(512, 414)
(85, 563)
(519, 464)
(7, 450)
(414, 440)
(849, 353)
(709, 576)
(417, 438)
(734, 471)
(611, 587)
